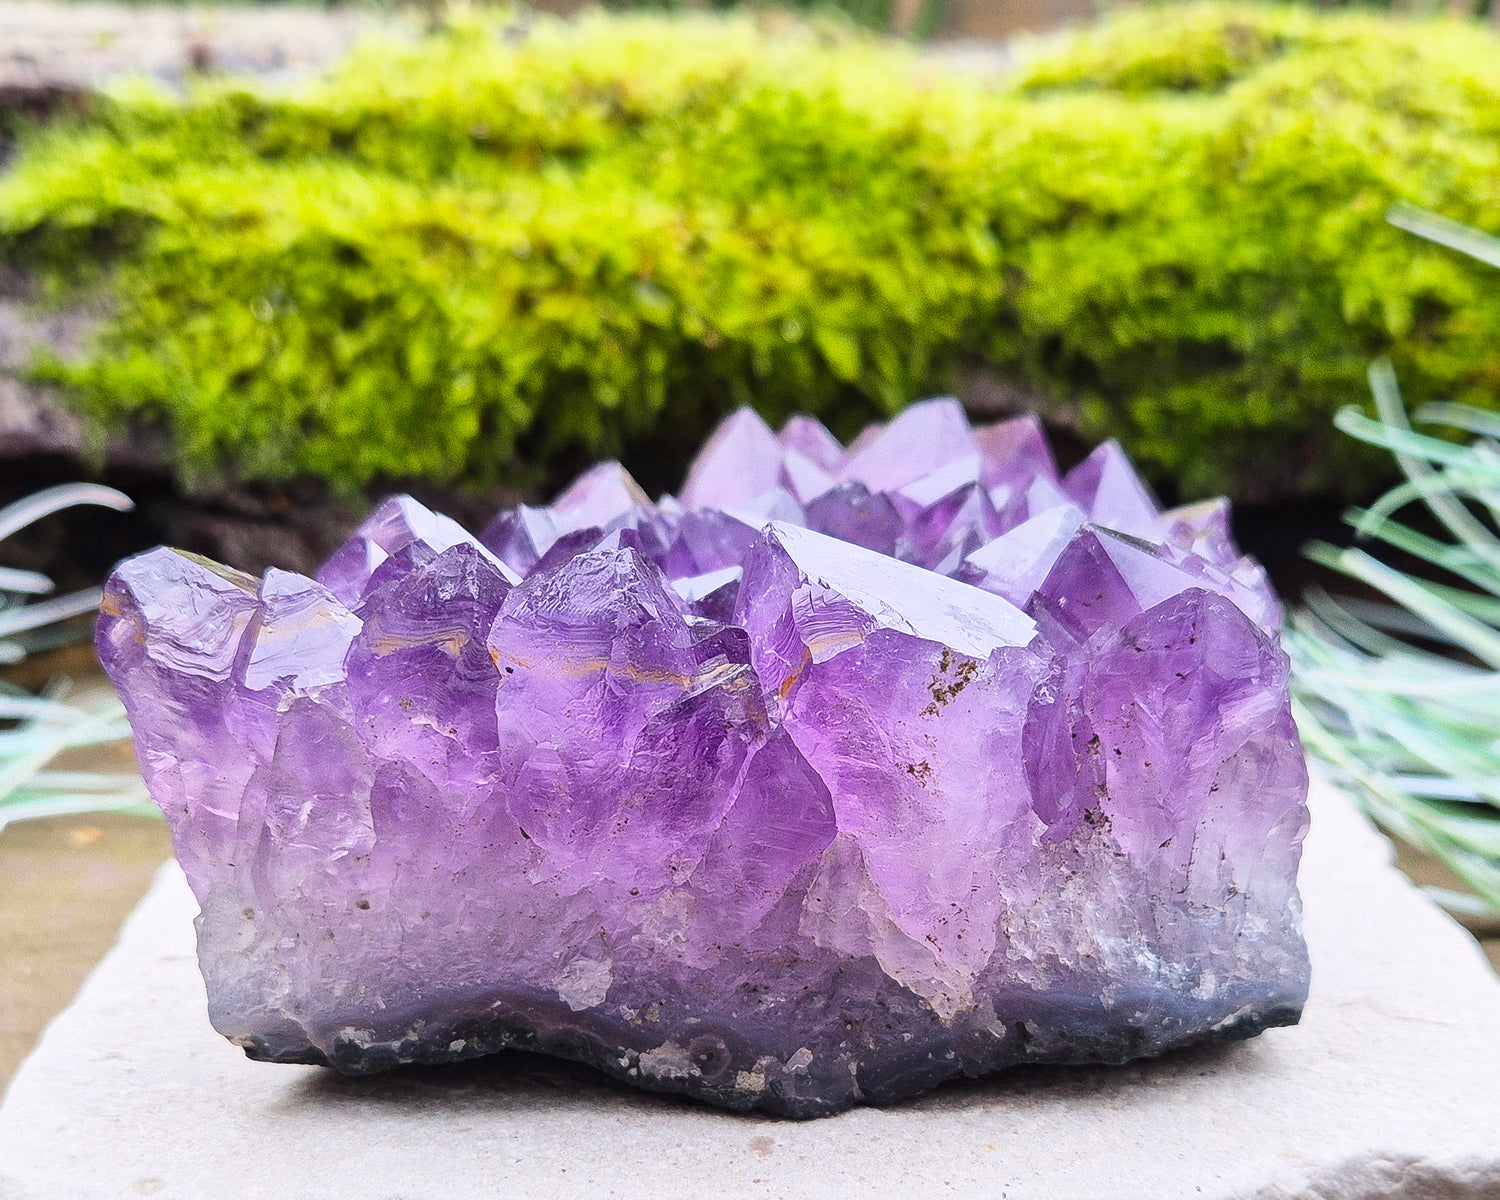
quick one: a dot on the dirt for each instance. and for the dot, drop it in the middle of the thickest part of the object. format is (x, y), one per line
(66, 884)
(1426, 871)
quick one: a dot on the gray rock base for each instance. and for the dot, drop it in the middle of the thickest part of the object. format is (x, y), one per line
(1390, 1087)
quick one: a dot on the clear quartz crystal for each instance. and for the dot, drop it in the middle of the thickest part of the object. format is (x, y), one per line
(848, 772)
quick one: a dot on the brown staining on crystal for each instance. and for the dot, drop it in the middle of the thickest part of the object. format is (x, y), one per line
(451, 643)
(246, 583)
(790, 681)
(715, 674)
(953, 675)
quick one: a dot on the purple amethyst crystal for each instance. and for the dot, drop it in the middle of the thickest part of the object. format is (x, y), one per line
(844, 773)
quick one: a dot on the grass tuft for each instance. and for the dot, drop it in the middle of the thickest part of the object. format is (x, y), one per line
(36, 730)
(1400, 699)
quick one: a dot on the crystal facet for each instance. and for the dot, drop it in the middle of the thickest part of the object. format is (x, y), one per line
(849, 772)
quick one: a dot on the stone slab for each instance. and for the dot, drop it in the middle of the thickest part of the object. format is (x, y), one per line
(1389, 1088)
(62, 48)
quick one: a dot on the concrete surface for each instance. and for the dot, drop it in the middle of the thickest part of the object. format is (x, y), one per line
(1388, 1088)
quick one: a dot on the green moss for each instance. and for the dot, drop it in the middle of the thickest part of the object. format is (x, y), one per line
(451, 255)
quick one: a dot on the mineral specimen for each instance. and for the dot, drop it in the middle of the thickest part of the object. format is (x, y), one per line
(846, 772)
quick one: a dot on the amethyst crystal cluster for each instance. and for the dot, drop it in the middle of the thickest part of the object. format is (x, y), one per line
(845, 772)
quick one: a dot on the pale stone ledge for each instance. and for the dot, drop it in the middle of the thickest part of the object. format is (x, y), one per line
(1389, 1088)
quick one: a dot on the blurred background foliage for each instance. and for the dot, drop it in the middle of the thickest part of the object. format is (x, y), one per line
(523, 241)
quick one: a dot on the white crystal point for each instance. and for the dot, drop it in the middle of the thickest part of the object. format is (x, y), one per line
(301, 637)
(605, 496)
(1015, 563)
(741, 460)
(810, 437)
(921, 439)
(1108, 487)
(903, 597)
